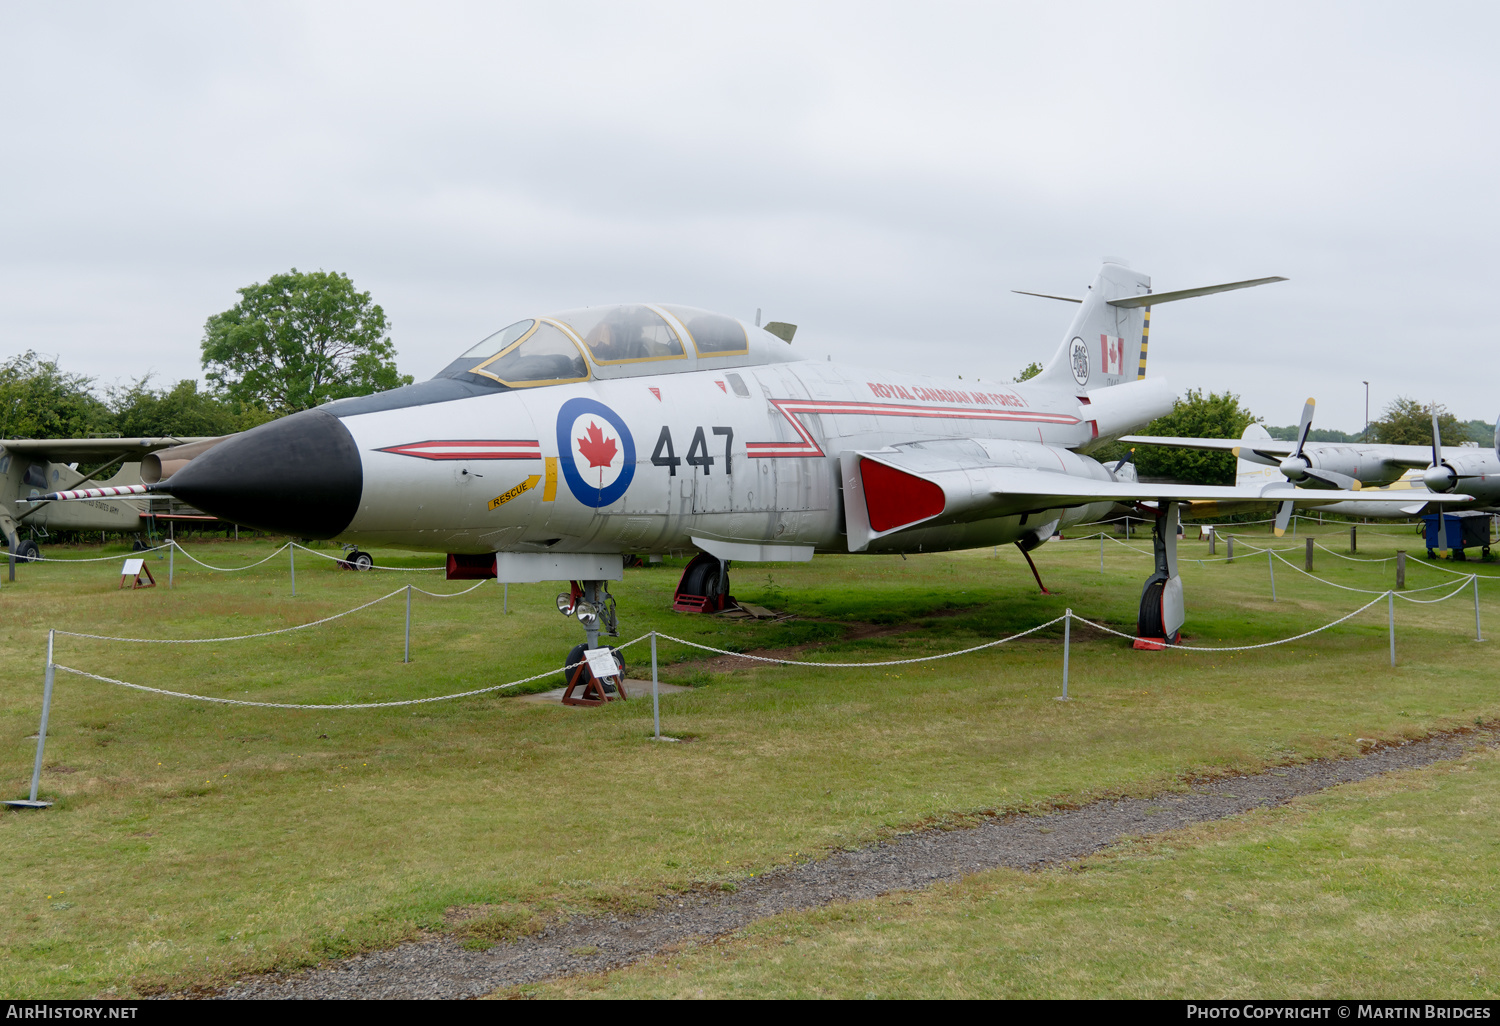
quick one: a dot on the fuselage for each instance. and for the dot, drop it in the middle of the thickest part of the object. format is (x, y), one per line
(646, 463)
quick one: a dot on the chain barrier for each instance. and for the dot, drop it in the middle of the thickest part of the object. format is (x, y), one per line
(1456, 573)
(373, 566)
(237, 637)
(1352, 559)
(228, 569)
(267, 634)
(451, 594)
(94, 559)
(883, 662)
(1236, 648)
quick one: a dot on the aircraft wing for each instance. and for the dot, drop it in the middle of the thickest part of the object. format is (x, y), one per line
(68, 450)
(1396, 455)
(920, 485)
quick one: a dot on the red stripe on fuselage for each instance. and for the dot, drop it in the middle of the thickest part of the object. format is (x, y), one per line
(469, 449)
(808, 447)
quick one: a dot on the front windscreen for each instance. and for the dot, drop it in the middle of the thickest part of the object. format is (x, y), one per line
(498, 341)
(545, 356)
(622, 334)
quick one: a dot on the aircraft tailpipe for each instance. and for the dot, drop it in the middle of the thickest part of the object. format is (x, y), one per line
(157, 466)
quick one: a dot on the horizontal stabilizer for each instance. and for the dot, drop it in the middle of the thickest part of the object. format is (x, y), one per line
(1172, 297)
(1045, 295)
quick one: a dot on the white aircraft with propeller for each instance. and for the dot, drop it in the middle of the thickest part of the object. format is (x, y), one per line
(562, 442)
(1365, 467)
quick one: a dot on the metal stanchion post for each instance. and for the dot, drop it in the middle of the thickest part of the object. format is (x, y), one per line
(655, 703)
(1478, 634)
(41, 734)
(1309, 555)
(1213, 537)
(291, 547)
(1390, 599)
(1101, 552)
(1353, 539)
(1271, 566)
(1067, 639)
(1400, 568)
(171, 560)
(406, 655)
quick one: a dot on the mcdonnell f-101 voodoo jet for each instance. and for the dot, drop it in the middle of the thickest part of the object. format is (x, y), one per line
(564, 441)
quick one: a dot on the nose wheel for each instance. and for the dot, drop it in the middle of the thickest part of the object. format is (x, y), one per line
(594, 607)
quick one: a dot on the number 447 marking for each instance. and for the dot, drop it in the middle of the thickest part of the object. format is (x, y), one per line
(697, 455)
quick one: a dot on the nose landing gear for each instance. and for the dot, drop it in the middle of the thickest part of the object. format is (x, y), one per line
(594, 606)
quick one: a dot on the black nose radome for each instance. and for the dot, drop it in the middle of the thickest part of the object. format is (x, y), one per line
(300, 475)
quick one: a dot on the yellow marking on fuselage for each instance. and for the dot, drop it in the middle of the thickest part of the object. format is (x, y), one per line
(549, 490)
(504, 497)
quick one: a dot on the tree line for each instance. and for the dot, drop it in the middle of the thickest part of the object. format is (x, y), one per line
(291, 343)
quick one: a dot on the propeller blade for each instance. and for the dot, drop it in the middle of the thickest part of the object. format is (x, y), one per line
(1437, 441)
(1305, 426)
(1332, 479)
(1283, 518)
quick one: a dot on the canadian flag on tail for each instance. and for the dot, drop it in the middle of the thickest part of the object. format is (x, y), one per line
(1112, 354)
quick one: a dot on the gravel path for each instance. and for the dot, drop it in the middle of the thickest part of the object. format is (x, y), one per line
(441, 968)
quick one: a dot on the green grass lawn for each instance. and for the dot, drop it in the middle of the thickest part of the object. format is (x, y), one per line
(191, 843)
(1389, 888)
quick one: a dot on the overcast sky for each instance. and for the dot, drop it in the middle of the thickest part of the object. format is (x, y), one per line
(879, 174)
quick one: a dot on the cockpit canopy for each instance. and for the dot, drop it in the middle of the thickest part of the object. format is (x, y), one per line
(609, 342)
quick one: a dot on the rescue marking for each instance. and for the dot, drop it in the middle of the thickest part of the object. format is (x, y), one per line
(475, 449)
(790, 408)
(504, 497)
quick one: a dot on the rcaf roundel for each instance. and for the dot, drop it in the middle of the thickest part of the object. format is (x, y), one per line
(597, 452)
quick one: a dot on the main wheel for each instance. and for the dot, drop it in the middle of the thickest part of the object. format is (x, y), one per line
(575, 655)
(28, 551)
(361, 560)
(703, 579)
(1149, 624)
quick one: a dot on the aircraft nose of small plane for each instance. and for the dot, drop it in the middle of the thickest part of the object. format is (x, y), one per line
(300, 475)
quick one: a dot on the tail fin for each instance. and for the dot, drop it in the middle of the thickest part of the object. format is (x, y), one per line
(1105, 345)
(1249, 473)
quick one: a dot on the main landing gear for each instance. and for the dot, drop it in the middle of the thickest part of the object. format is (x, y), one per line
(594, 606)
(1162, 611)
(704, 587)
(355, 559)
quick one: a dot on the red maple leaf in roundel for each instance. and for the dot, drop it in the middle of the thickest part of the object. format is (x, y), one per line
(598, 450)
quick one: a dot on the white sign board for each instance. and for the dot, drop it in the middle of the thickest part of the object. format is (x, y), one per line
(602, 662)
(132, 567)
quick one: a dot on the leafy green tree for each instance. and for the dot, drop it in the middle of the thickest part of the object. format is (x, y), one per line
(1408, 422)
(299, 340)
(39, 400)
(140, 410)
(1195, 415)
(1029, 371)
(1289, 434)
